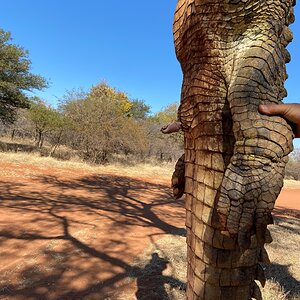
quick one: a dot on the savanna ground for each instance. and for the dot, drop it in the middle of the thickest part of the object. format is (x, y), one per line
(72, 231)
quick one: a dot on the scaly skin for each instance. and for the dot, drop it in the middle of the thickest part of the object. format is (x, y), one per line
(232, 54)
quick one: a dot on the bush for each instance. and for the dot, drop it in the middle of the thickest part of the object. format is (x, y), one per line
(292, 170)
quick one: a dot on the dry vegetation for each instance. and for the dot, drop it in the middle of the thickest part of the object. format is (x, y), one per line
(98, 126)
(283, 275)
(152, 168)
(162, 170)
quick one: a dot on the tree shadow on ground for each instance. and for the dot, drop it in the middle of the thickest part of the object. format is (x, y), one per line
(119, 198)
(287, 222)
(282, 211)
(68, 265)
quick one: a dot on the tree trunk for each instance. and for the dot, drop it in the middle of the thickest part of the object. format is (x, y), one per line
(52, 151)
(41, 141)
(39, 138)
(55, 146)
(232, 55)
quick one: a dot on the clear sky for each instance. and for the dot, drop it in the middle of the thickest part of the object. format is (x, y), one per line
(76, 43)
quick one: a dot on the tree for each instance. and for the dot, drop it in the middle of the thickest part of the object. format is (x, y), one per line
(164, 147)
(101, 123)
(292, 170)
(22, 127)
(139, 110)
(45, 119)
(168, 114)
(60, 126)
(15, 78)
(119, 99)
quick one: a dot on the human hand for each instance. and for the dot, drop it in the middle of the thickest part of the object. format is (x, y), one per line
(291, 112)
(174, 126)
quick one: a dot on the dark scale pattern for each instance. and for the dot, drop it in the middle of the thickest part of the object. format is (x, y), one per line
(233, 55)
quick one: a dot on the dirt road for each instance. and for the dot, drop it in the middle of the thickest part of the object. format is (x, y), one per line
(74, 234)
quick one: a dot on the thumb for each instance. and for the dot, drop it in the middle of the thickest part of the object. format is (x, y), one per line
(273, 109)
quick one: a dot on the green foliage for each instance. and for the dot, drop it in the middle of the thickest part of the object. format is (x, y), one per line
(45, 119)
(139, 110)
(15, 78)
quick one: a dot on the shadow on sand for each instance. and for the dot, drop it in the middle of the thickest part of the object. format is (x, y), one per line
(66, 265)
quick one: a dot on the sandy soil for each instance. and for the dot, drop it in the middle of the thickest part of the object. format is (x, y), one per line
(74, 234)
(288, 202)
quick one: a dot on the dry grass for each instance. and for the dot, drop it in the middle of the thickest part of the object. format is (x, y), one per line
(164, 170)
(292, 184)
(274, 291)
(284, 254)
(283, 275)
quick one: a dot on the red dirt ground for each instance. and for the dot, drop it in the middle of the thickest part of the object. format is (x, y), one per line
(72, 234)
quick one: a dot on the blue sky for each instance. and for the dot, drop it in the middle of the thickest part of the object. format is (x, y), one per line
(75, 43)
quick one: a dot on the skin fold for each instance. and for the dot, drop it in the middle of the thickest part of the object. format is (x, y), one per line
(232, 54)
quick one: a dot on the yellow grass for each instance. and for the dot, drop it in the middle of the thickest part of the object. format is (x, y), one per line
(164, 170)
(292, 184)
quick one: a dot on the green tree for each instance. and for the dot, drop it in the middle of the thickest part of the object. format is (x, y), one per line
(15, 78)
(139, 110)
(60, 126)
(45, 119)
